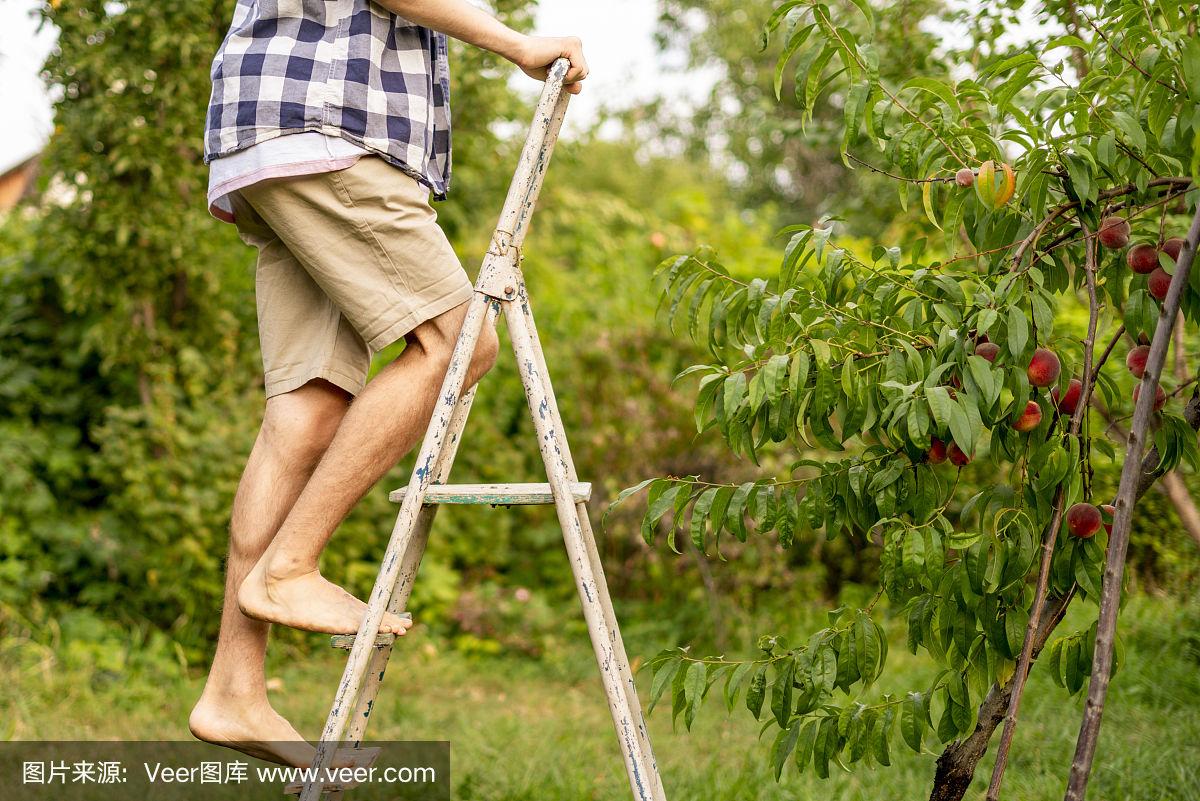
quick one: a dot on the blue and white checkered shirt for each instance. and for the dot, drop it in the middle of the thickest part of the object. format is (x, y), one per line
(347, 68)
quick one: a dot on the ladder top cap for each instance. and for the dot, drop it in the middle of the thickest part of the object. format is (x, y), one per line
(495, 494)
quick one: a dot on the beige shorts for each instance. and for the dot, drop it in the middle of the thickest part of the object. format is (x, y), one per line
(348, 263)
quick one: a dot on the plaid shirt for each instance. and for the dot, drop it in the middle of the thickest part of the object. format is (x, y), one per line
(347, 68)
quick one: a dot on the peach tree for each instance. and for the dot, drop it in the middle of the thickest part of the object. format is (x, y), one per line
(1051, 181)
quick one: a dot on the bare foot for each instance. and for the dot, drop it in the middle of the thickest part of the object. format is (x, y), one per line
(308, 601)
(254, 729)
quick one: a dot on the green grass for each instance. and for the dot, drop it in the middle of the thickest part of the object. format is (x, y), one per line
(524, 729)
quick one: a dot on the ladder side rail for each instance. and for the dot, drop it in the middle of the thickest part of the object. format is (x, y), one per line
(550, 438)
(525, 209)
(589, 538)
(534, 157)
(411, 562)
(348, 688)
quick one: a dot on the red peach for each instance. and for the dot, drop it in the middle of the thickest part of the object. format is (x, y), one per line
(988, 350)
(1030, 418)
(1083, 520)
(1136, 360)
(1044, 368)
(937, 451)
(1160, 396)
(1173, 247)
(964, 177)
(1114, 232)
(1070, 401)
(1142, 258)
(1110, 512)
(957, 456)
(1158, 283)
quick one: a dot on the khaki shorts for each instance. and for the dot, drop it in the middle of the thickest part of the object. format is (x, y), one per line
(348, 263)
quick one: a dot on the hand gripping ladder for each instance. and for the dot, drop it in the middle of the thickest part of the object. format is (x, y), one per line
(500, 287)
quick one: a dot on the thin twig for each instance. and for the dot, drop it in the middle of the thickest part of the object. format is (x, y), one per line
(1112, 343)
(893, 176)
(1118, 541)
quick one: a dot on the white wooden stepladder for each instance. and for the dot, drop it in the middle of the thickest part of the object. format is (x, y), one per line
(500, 287)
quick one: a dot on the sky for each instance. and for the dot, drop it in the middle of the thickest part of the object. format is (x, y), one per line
(624, 65)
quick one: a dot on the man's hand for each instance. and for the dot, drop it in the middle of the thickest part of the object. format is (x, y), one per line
(535, 54)
(460, 19)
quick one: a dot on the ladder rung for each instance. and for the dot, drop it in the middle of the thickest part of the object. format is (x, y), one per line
(362, 758)
(295, 788)
(494, 494)
(346, 641)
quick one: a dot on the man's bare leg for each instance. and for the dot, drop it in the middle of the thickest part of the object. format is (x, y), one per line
(384, 422)
(233, 709)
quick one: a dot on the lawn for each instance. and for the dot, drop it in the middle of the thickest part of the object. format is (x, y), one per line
(539, 729)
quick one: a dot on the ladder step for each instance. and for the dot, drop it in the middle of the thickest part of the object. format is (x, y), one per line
(346, 641)
(362, 758)
(494, 494)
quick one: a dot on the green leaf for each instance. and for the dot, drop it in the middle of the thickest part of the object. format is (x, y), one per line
(757, 692)
(912, 720)
(785, 741)
(940, 405)
(852, 114)
(1018, 332)
(733, 685)
(804, 748)
(773, 373)
(1015, 621)
(825, 668)
(735, 392)
(693, 690)
(663, 675)
(781, 691)
(625, 493)
(927, 202)
(658, 507)
(699, 523)
(960, 428)
(938, 89)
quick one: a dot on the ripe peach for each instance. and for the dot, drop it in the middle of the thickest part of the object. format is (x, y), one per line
(1142, 259)
(1160, 396)
(1110, 512)
(1136, 360)
(1083, 520)
(1030, 418)
(964, 177)
(988, 350)
(1044, 368)
(937, 451)
(1158, 283)
(995, 184)
(1173, 247)
(1069, 402)
(957, 456)
(1114, 232)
